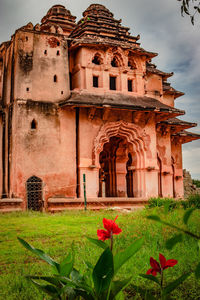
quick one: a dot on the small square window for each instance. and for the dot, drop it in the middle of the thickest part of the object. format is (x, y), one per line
(130, 85)
(95, 81)
(112, 83)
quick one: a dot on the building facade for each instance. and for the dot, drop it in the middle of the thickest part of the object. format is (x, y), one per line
(84, 98)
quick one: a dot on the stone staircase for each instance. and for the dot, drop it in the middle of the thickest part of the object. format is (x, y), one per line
(62, 204)
(10, 205)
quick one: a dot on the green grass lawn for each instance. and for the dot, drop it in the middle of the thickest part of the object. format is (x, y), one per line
(55, 233)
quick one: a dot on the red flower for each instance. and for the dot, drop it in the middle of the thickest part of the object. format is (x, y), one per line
(164, 264)
(111, 228)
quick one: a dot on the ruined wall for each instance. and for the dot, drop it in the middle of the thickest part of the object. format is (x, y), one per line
(189, 187)
(41, 67)
(46, 150)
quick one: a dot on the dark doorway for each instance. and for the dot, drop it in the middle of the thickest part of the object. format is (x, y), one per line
(34, 193)
(129, 177)
(159, 177)
(173, 178)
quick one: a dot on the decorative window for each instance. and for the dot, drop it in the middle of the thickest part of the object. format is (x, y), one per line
(130, 85)
(112, 83)
(95, 81)
(97, 60)
(131, 61)
(115, 62)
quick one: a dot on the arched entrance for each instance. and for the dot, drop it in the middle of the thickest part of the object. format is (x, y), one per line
(34, 193)
(115, 174)
(110, 153)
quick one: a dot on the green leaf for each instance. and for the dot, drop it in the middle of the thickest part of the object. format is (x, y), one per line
(98, 243)
(69, 292)
(39, 253)
(49, 289)
(53, 280)
(177, 238)
(117, 286)
(173, 285)
(197, 271)
(103, 271)
(76, 276)
(146, 294)
(187, 215)
(151, 277)
(66, 265)
(122, 257)
(154, 218)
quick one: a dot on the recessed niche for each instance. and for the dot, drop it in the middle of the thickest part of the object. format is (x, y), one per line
(33, 124)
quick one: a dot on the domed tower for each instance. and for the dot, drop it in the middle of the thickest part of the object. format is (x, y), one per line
(59, 17)
(99, 22)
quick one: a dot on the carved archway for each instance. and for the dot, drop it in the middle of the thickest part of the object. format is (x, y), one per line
(135, 136)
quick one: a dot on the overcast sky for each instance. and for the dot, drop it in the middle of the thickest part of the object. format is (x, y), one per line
(162, 30)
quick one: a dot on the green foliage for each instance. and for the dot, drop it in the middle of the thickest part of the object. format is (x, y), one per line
(68, 283)
(194, 201)
(196, 182)
(55, 233)
(169, 204)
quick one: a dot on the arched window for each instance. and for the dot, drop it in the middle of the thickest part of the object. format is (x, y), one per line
(34, 193)
(115, 62)
(97, 60)
(131, 61)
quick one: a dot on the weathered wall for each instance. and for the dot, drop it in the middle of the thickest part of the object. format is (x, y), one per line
(40, 57)
(164, 153)
(83, 70)
(47, 152)
(1, 149)
(177, 157)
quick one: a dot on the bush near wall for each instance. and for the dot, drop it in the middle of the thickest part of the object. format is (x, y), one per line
(170, 203)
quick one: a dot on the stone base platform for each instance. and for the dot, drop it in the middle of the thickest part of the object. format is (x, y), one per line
(62, 204)
(10, 205)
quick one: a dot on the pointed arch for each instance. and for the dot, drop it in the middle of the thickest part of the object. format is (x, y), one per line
(97, 59)
(131, 132)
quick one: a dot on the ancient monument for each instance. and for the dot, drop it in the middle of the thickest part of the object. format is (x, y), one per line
(85, 98)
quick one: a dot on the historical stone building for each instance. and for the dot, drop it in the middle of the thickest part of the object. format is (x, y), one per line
(85, 98)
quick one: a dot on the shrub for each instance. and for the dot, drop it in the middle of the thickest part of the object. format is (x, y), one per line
(194, 201)
(169, 203)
